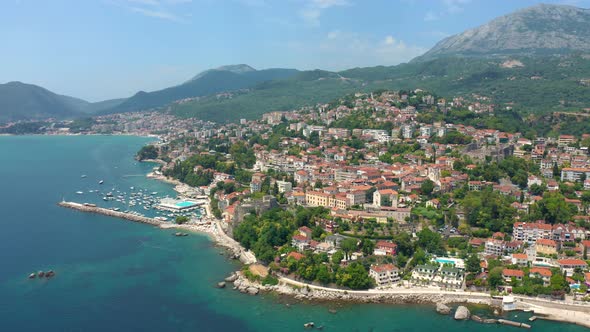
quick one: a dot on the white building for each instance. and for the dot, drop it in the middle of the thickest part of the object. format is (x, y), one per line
(384, 274)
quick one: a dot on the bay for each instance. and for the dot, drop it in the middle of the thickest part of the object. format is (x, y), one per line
(119, 276)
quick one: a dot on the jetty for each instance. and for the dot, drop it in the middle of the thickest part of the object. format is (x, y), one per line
(111, 213)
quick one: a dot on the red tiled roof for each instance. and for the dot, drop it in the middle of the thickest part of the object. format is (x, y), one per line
(571, 261)
(541, 271)
(295, 255)
(547, 242)
(512, 273)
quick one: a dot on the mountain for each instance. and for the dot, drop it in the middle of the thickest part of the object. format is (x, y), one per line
(236, 69)
(21, 101)
(542, 29)
(536, 59)
(209, 82)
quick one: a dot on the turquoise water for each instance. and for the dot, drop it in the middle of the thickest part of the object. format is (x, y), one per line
(185, 204)
(114, 275)
(445, 261)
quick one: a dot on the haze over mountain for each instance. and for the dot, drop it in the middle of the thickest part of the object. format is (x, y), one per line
(21, 101)
(541, 29)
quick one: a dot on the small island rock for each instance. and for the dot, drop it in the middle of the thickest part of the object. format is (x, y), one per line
(462, 313)
(443, 309)
(221, 284)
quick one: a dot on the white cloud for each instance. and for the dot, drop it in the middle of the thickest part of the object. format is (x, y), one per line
(389, 40)
(342, 50)
(449, 7)
(333, 34)
(430, 16)
(313, 9)
(162, 9)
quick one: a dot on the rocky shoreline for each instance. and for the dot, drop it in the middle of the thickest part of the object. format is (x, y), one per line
(242, 284)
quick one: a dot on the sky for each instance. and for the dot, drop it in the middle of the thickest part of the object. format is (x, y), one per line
(103, 49)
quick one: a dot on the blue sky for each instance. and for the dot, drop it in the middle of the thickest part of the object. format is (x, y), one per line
(100, 49)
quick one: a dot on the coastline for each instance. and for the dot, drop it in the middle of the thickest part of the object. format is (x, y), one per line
(418, 295)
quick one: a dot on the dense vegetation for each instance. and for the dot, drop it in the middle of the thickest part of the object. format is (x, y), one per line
(147, 152)
(198, 170)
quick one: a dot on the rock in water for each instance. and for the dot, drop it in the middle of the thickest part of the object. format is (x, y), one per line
(252, 290)
(221, 284)
(443, 309)
(462, 313)
(232, 278)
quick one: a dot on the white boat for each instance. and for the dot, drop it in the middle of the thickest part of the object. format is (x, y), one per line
(101, 182)
(79, 192)
(83, 176)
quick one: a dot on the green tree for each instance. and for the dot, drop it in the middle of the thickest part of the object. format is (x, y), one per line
(472, 264)
(495, 277)
(367, 246)
(348, 245)
(427, 187)
(181, 220)
(337, 257)
(147, 152)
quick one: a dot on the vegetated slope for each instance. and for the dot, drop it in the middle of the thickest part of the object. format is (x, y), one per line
(207, 83)
(20, 101)
(538, 84)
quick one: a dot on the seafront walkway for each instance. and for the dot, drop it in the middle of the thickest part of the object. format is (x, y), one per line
(391, 291)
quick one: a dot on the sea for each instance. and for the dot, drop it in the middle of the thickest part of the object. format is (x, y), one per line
(116, 275)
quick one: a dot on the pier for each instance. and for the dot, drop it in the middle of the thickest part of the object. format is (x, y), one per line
(107, 212)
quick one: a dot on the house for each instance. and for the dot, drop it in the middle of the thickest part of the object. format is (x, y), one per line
(541, 273)
(531, 232)
(546, 247)
(295, 255)
(433, 203)
(449, 277)
(384, 274)
(568, 265)
(284, 186)
(300, 242)
(520, 259)
(384, 248)
(305, 231)
(508, 274)
(494, 247)
(385, 197)
(574, 174)
(424, 273)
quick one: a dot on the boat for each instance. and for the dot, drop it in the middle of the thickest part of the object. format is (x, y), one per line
(79, 192)
(154, 193)
(83, 176)
(309, 325)
(32, 275)
(100, 182)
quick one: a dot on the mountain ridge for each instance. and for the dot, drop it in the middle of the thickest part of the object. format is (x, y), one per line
(541, 29)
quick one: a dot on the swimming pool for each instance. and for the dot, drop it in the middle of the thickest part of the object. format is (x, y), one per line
(445, 261)
(185, 204)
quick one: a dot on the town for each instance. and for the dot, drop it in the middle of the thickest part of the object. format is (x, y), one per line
(389, 189)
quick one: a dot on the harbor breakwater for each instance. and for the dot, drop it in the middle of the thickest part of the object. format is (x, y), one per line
(213, 229)
(107, 212)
